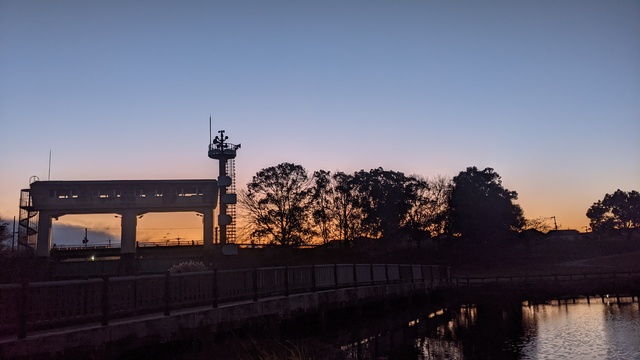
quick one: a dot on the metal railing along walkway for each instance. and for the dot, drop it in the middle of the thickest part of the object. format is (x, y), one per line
(48, 305)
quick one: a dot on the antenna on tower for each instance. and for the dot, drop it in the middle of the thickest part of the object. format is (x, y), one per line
(225, 153)
(209, 129)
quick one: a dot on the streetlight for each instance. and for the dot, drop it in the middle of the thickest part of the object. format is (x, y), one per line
(85, 240)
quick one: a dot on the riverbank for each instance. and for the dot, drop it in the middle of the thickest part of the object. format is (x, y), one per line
(518, 258)
(588, 256)
(466, 259)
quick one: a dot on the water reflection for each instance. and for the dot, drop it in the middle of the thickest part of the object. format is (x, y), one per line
(580, 330)
(585, 331)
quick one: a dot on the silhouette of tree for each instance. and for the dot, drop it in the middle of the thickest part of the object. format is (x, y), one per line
(540, 223)
(617, 211)
(276, 203)
(335, 209)
(385, 198)
(346, 208)
(5, 235)
(481, 208)
(321, 196)
(428, 212)
(419, 214)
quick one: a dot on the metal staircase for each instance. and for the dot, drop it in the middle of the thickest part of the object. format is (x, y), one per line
(27, 223)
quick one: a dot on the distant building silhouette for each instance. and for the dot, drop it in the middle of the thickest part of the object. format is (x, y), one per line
(564, 235)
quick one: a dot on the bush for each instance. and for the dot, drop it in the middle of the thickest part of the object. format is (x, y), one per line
(187, 267)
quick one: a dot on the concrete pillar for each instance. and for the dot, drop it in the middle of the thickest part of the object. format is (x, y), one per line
(128, 226)
(43, 244)
(207, 223)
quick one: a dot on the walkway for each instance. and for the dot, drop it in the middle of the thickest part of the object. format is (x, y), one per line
(65, 316)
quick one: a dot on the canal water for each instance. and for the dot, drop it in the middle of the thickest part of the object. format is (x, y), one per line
(597, 329)
(592, 329)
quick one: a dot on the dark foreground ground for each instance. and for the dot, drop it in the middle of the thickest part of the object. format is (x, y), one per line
(516, 258)
(590, 255)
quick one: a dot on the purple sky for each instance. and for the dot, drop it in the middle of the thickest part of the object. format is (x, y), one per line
(545, 92)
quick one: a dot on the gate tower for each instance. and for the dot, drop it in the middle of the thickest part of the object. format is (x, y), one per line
(225, 153)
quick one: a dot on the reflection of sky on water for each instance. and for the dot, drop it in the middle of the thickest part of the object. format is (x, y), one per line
(440, 349)
(581, 331)
(622, 328)
(446, 343)
(567, 331)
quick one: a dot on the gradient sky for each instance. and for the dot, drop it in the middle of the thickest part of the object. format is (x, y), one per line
(545, 92)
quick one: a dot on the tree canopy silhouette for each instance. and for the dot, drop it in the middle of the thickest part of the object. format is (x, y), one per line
(335, 210)
(277, 205)
(481, 209)
(617, 211)
(5, 235)
(384, 197)
(427, 216)
(284, 206)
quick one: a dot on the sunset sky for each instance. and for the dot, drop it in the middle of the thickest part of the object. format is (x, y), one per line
(545, 92)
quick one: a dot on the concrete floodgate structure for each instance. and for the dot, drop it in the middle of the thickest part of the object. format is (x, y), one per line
(46, 200)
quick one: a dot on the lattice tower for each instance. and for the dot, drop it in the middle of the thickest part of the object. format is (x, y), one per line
(231, 208)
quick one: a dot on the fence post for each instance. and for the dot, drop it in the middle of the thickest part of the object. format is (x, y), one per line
(22, 311)
(105, 301)
(135, 294)
(167, 293)
(335, 275)
(386, 274)
(85, 298)
(371, 272)
(431, 271)
(255, 284)
(313, 278)
(286, 280)
(215, 288)
(355, 275)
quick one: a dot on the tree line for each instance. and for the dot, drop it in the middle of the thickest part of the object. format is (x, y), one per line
(619, 211)
(286, 205)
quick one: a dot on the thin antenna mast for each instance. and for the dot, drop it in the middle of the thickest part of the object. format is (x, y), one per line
(209, 129)
(49, 175)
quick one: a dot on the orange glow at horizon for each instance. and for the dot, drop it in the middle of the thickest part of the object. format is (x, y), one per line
(187, 226)
(152, 227)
